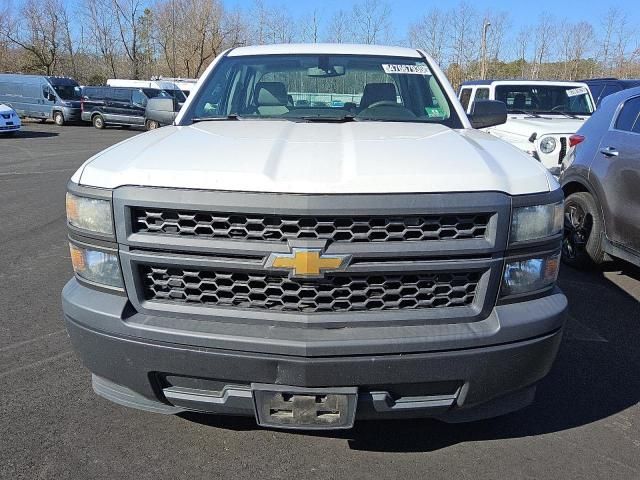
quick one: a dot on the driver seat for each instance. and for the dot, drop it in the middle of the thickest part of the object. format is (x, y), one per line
(377, 92)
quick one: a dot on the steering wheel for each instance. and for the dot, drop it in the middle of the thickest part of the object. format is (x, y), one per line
(385, 103)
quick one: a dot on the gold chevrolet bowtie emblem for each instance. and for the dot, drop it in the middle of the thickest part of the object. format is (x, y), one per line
(306, 262)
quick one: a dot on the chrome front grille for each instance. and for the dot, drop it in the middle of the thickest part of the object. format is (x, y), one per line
(336, 293)
(281, 228)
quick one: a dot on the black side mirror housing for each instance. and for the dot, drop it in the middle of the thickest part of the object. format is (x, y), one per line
(488, 113)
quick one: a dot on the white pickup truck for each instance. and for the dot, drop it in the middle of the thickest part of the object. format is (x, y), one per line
(543, 115)
(321, 237)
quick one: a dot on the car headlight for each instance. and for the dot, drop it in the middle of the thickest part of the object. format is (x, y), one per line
(530, 275)
(548, 145)
(91, 214)
(536, 222)
(96, 266)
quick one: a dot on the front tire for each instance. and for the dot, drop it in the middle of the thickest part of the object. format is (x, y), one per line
(58, 118)
(98, 122)
(583, 232)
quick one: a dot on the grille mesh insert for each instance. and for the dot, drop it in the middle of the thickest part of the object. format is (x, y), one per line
(283, 228)
(343, 293)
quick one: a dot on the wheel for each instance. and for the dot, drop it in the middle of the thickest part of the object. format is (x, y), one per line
(583, 231)
(98, 121)
(151, 124)
(58, 118)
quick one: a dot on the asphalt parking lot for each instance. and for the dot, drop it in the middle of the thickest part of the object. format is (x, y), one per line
(585, 423)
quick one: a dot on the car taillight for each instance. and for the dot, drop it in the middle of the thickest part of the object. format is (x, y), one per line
(575, 140)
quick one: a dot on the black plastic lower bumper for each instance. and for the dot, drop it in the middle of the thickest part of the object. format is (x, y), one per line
(454, 386)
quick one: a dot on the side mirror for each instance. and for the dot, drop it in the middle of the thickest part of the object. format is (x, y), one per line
(487, 113)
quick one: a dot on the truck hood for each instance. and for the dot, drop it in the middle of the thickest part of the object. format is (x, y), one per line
(5, 108)
(526, 126)
(292, 157)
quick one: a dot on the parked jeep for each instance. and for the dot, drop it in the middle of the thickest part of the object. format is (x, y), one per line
(542, 115)
(601, 183)
(308, 265)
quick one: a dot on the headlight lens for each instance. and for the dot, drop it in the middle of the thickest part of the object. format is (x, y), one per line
(530, 275)
(536, 222)
(90, 214)
(96, 266)
(548, 144)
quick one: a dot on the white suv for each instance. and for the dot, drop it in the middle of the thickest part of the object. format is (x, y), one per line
(321, 237)
(542, 115)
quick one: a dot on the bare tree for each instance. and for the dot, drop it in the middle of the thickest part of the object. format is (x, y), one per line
(102, 26)
(522, 49)
(544, 33)
(39, 33)
(128, 14)
(463, 40)
(371, 22)
(338, 29)
(310, 31)
(428, 33)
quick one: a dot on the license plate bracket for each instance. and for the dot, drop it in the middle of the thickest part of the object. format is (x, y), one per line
(282, 406)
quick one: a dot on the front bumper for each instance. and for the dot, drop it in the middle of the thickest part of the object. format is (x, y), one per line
(487, 370)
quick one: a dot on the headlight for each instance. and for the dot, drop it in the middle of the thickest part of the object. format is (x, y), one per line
(536, 222)
(91, 214)
(96, 266)
(530, 275)
(548, 144)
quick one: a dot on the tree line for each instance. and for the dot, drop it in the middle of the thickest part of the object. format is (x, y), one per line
(92, 40)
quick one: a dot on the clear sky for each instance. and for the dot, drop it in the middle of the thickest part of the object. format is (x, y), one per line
(521, 13)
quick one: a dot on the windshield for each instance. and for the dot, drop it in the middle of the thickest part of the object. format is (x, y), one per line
(545, 99)
(323, 88)
(177, 94)
(155, 92)
(68, 92)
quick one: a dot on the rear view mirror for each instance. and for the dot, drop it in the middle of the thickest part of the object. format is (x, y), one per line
(487, 113)
(332, 71)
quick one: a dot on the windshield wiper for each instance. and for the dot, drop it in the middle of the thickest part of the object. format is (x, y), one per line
(524, 112)
(560, 112)
(321, 118)
(231, 116)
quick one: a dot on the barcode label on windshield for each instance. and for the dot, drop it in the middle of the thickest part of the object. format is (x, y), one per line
(406, 69)
(576, 91)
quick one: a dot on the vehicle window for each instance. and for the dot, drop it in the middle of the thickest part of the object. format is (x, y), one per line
(465, 97)
(177, 94)
(46, 92)
(482, 94)
(67, 92)
(120, 94)
(317, 87)
(138, 98)
(155, 92)
(545, 99)
(628, 117)
(609, 89)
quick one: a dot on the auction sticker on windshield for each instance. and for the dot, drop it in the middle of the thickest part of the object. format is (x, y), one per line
(406, 69)
(576, 91)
